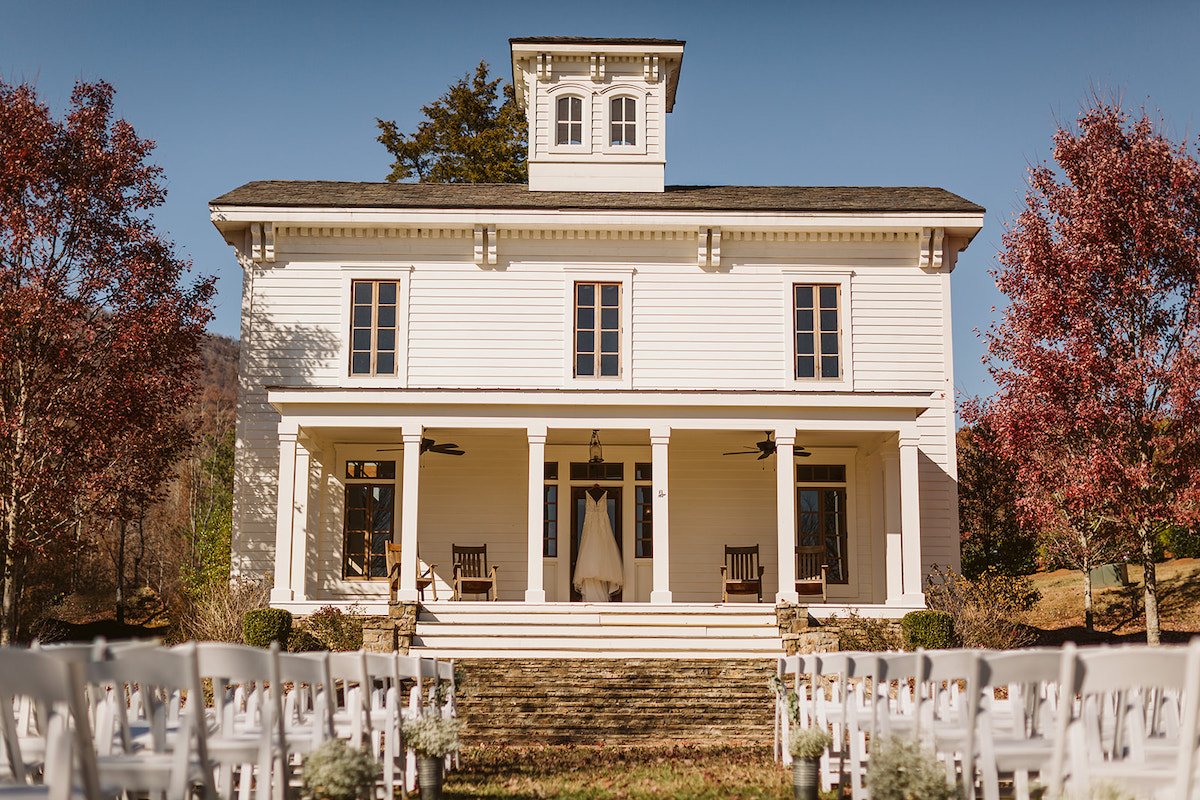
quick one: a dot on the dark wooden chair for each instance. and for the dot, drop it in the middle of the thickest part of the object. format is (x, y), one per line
(471, 572)
(812, 574)
(424, 579)
(741, 573)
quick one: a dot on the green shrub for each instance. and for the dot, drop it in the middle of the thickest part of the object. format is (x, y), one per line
(432, 734)
(301, 641)
(336, 771)
(1182, 542)
(261, 626)
(809, 742)
(864, 634)
(335, 629)
(988, 611)
(933, 630)
(899, 769)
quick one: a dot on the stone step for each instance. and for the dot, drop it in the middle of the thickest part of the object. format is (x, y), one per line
(616, 701)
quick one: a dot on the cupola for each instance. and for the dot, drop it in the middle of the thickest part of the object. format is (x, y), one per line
(597, 110)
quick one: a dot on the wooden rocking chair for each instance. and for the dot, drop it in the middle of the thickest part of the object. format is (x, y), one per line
(471, 573)
(741, 573)
(424, 579)
(812, 574)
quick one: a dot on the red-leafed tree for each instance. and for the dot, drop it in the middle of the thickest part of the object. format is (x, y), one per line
(1097, 357)
(99, 335)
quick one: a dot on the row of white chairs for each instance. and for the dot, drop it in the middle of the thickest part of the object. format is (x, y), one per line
(1068, 719)
(218, 720)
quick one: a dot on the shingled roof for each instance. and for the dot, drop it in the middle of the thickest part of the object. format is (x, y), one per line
(815, 199)
(596, 40)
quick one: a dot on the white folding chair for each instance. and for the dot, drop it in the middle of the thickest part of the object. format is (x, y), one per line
(893, 702)
(1016, 733)
(1108, 733)
(57, 742)
(351, 697)
(307, 708)
(246, 738)
(947, 713)
(148, 739)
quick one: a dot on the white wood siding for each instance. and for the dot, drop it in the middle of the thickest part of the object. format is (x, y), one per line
(510, 326)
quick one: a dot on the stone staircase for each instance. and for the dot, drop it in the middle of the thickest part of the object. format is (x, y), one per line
(616, 701)
(577, 630)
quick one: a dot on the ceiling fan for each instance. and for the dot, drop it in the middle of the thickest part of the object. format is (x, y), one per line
(430, 446)
(766, 448)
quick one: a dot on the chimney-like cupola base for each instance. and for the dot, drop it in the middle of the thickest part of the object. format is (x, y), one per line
(596, 110)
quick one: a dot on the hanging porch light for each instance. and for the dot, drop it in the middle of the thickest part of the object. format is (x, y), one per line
(595, 451)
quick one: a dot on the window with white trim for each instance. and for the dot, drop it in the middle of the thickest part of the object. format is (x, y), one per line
(597, 330)
(818, 333)
(821, 521)
(373, 327)
(369, 516)
(622, 119)
(568, 120)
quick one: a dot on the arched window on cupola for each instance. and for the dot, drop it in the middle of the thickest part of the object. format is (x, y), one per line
(622, 121)
(568, 119)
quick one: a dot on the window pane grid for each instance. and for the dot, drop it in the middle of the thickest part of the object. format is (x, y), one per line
(643, 522)
(821, 526)
(569, 121)
(818, 331)
(598, 330)
(623, 121)
(550, 521)
(369, 527)
(373, 327)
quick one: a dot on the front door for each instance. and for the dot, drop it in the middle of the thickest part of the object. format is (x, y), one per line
(578, 510)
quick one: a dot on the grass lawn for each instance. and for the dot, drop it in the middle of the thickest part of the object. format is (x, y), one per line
(584, 772)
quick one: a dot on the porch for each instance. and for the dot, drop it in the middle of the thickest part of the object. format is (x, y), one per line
(849, 482)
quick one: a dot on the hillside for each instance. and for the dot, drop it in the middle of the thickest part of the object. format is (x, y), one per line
(1119, 611)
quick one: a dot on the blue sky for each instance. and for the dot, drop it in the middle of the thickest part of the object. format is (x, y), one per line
(962, 95)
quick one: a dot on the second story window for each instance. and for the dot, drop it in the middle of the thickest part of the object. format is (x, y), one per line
(818, 332)
(623, 120)
(598, 330)
(373, 328)
(569, 120)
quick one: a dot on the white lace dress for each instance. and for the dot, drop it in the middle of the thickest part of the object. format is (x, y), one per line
(599, 570)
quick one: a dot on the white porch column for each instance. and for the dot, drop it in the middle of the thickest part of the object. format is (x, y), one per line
(411, 435)
(316, 505)
(285, 514)
(910, 515)
(302, 504)
(535, 591)
(660, 514)
(785, 504)
(892, 526)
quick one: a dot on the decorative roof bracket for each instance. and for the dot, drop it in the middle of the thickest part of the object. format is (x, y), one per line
(932, 248)
(708, 253)
(262, 242)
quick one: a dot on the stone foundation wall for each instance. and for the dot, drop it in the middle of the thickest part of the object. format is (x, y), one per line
(802, 633)
(391, 633)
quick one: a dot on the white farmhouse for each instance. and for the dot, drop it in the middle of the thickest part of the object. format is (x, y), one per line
(446, 366)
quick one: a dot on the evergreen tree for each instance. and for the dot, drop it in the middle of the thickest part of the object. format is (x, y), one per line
(467, 136)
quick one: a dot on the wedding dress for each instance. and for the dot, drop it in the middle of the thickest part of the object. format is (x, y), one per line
(599, 570)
